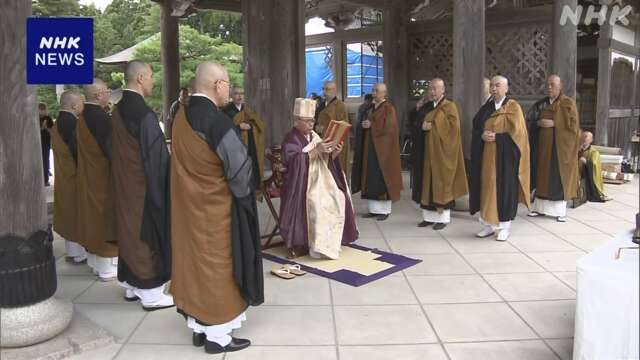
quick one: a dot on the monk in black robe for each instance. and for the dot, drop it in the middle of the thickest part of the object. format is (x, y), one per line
(217, 263)
(376, 162)
(499, 176)
(416, 117)
(65, 154)
(140, 188)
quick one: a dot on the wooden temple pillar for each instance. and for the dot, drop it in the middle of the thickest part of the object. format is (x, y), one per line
(603, 98)
(274, 63)
(29, 313)
(564, 47)
(395, 40)
(469, 51)
(170, 59)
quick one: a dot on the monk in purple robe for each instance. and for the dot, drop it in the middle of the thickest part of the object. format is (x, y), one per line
(316, 212)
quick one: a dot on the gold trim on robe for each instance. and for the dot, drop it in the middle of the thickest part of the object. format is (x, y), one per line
(443, 170)
(508, 119)
(566, 135)
(325, 204)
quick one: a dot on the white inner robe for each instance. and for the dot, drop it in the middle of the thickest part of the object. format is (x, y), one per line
(435, 217)
(550, 208)
(326, 205)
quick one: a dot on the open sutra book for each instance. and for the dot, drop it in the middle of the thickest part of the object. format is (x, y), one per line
(337, 131)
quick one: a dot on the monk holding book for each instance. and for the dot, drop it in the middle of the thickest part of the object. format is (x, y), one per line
(316, 212)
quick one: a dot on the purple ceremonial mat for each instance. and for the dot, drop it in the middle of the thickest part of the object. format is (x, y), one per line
(387, 263)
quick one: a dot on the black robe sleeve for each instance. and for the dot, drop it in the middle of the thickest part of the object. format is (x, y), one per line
(103, 133)
(245, 229)
(155, 156)
(68, 134)
(477, 147)
(358, 152)
(532, 116)
(417, 150)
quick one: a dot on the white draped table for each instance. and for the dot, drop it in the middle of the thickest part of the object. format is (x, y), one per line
(606, 326)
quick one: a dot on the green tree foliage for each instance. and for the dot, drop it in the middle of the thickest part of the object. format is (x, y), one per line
(194, 48)
(218, 24)
(210, 35)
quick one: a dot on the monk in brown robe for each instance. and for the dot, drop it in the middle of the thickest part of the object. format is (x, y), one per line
(94, 172)
(217, 263)
(556, 146)
(140, 193)
(444, 177)
(499, 162)
(252, 131)
(332, 108)
(65, 157)
(376, 163)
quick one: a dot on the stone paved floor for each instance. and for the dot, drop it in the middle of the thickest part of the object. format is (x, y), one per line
(469, 299)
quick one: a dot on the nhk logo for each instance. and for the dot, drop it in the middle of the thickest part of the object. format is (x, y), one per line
(59, 50)
(617, 14)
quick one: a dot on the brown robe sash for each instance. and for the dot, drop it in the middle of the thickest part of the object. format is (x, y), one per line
(384, 135)
(336, 110)
(508, 119)
(128, 186)
(65, 188)
(444, 171)
(202, 280)
(94, 206)
(566, 136)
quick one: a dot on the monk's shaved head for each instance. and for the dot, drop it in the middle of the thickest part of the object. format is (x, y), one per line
(330, 89)
(97, 92)
(70, 98)
(134, 69)
(500, 80)
(499, 87)
(208, 73)
(486, 86)
(554, 86)
(72, 101)
(212, 79)
(139, 77)
(437, 82)
(237, 95)
(379, 92)
(436, 89)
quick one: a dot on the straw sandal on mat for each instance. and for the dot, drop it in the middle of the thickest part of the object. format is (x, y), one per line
(283, 273)
(294, 269)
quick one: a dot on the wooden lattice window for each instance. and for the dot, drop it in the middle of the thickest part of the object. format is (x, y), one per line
(522, 55)
(431, 56)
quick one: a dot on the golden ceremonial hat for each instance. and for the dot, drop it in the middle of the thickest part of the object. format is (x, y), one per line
(305, 108)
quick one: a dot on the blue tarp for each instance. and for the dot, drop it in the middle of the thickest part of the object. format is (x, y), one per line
(363, 71)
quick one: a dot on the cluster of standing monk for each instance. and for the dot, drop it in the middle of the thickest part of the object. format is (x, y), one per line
(146, 213)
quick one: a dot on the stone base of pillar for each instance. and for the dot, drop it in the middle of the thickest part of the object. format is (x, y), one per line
(28, 325)
(81, 337)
